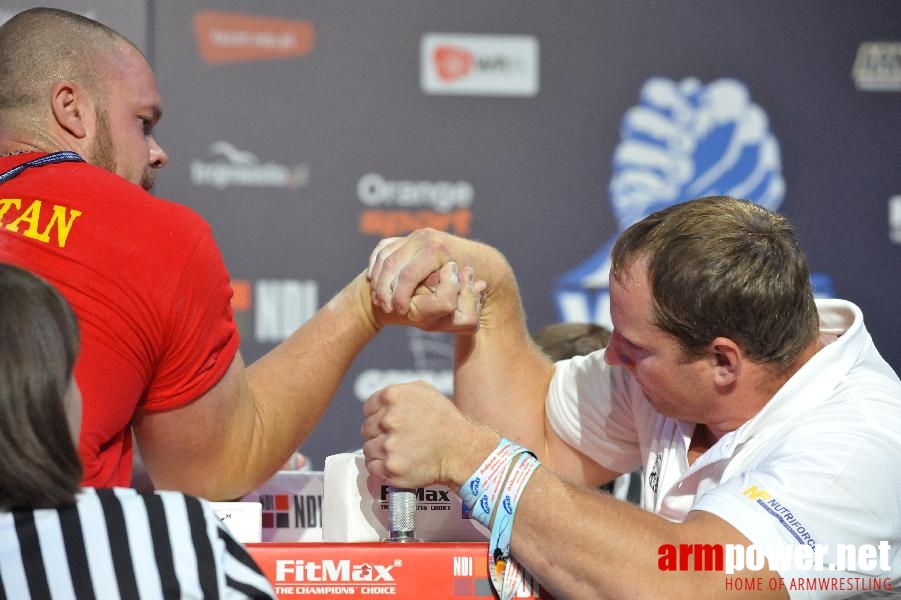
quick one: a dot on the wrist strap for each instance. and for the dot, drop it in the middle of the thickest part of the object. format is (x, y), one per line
(480, 491)
(505, 573)
(503, 474)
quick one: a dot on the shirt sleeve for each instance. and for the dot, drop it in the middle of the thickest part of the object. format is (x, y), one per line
(201, 337)
(589, 406)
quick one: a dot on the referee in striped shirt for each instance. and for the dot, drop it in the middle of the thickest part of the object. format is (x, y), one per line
(58, 541)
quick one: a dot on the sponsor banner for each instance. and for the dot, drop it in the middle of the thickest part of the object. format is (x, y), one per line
(433, 362)
(372, 380)
(231, 167)
(397, 207)
(479, 65)
(877, 67)
(410, 571)
(270, 310)
(291, 506)
(224, 37)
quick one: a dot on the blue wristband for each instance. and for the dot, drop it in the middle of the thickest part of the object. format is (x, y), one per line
(480, 491)
(505, 573)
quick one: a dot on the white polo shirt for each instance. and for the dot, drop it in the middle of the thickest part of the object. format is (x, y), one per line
(819, 464)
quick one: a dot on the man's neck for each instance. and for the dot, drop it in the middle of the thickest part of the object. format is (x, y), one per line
(763, 386)
(14, 152)
(12, 145)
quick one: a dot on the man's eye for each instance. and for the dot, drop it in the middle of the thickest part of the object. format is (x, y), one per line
(633, 346)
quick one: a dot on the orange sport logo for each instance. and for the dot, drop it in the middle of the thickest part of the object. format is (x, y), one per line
(224, 37)
(398, 206)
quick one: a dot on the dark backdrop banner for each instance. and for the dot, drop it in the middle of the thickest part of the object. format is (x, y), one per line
(305, 131)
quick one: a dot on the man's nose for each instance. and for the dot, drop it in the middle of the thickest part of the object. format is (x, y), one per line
(158, 156)
(613, 355)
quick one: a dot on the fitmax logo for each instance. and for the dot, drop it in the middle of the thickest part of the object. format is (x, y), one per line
(331, 571)
(422, 494)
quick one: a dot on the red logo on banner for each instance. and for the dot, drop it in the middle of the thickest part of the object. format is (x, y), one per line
(452, 62)
(276, 511)
(235, 37)
(241, 294)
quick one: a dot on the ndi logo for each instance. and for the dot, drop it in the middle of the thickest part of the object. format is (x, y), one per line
(278, 306)
(279, 508)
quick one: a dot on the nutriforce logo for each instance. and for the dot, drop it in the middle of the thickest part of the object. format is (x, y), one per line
(233, 167)
(877, 67)
(479, 65)
(782, 513)
(224, 37)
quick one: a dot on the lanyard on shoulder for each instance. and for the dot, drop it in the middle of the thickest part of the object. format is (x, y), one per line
(47, 159)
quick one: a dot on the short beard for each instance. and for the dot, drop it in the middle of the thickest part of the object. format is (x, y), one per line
(101, 153)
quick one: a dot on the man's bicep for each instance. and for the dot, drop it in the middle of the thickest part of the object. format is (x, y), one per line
(572, 465)
(184, 448)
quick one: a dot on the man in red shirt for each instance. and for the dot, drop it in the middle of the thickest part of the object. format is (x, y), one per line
(78, 103)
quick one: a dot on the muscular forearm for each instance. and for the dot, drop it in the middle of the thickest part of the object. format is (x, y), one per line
(228, 442)
(500, 377)
(293, 384)
(582, 543)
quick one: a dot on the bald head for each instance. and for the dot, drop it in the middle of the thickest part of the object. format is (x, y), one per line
(41, 46)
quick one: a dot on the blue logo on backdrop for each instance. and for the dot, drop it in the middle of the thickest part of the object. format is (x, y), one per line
(684, 140)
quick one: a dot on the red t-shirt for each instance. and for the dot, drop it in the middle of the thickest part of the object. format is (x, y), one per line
(148, 286)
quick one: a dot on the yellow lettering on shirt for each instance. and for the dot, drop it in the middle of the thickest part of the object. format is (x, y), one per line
(6, 203)
(60, 221)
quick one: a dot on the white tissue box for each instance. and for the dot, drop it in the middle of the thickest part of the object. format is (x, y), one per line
(355, 507)
(243, 519)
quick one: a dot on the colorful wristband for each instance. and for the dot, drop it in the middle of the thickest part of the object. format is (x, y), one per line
(505, 573)
(480, 491)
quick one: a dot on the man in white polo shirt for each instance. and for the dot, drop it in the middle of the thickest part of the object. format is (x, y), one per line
(762, 420)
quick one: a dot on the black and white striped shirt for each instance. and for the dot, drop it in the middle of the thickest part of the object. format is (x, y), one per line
(120, 543)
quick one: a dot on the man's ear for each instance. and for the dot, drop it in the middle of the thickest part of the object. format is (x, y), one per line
(727, 358)
(72, 108)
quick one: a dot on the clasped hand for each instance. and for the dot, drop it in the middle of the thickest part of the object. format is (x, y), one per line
(415, 282)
